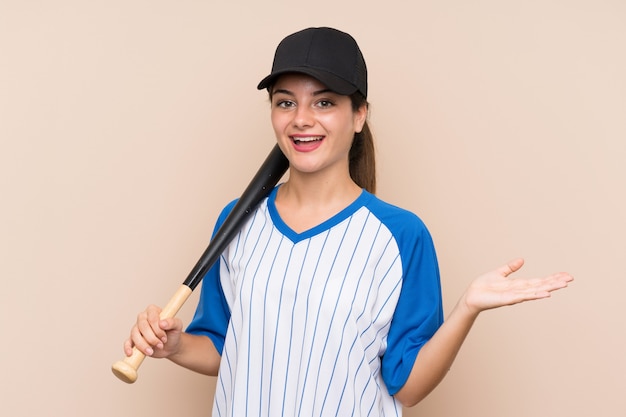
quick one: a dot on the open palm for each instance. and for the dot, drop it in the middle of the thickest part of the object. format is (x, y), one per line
(496, 288)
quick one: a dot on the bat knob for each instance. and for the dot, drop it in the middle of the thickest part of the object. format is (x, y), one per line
(124, 371)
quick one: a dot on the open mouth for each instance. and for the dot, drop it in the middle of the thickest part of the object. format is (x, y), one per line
(306, 140)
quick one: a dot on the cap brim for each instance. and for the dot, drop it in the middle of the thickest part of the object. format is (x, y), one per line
(334, 83)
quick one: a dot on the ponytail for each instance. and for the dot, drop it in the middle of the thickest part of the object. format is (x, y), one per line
(362, 153)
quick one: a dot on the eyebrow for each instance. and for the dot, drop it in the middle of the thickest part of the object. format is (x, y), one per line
(290, 93)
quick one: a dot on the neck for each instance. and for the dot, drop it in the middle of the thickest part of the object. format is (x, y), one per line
(305, 202)
(318, 191)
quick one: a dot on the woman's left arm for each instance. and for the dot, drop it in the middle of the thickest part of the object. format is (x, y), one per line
(491, 290)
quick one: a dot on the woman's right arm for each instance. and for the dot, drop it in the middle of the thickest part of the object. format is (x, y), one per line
(165, 338)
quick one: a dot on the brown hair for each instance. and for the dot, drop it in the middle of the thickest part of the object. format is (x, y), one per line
(362, 153)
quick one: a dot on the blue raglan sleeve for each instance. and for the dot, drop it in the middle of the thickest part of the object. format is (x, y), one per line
(212, 313)
(419, 312)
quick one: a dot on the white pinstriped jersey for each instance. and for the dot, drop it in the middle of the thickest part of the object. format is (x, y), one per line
(323, 323)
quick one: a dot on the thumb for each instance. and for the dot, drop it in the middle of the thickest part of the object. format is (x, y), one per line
(172, 323)
(511, 266)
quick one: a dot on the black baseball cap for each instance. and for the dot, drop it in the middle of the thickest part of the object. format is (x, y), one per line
(329, 55)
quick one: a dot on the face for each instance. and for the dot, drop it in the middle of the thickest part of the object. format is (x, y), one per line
(314, 127)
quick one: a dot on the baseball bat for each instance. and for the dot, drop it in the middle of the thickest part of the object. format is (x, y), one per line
(272, 169)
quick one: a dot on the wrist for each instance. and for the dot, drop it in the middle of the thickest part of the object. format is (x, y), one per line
(466, 309)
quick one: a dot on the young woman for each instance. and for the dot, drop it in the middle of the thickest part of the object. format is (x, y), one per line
(328, 302)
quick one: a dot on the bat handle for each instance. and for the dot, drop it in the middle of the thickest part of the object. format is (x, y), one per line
(126, 369)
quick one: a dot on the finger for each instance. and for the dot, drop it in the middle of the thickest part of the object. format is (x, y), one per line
(154, 319)
(564, 276)
(128, 347)
(556, 281)
(537, 288)
(173, 323)
(148, 332)
(511, 266)
(140, 343)
(168, 325)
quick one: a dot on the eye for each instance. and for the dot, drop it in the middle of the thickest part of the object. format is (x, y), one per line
(325, 104)
(284, 104)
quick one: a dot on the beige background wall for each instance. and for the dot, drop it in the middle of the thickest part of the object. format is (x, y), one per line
(125, 126)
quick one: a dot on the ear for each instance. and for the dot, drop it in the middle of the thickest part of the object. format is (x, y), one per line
(360, 116)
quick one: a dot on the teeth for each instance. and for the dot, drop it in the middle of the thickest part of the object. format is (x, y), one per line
(308, 139)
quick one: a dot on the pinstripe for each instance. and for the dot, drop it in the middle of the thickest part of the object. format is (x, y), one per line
(293, 309)
(275, 336)
(236, 255)
(263, 344)
(304, 351)
(346, 319)
(250, 310)
(310, 315)
(355, 340)
(315, 328)
(317, 323)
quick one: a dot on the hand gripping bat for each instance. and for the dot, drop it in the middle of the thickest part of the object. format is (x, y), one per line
(264, 180)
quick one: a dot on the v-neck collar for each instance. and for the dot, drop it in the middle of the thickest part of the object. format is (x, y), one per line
(296, 237)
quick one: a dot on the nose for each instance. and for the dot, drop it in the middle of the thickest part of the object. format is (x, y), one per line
(303, 117)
